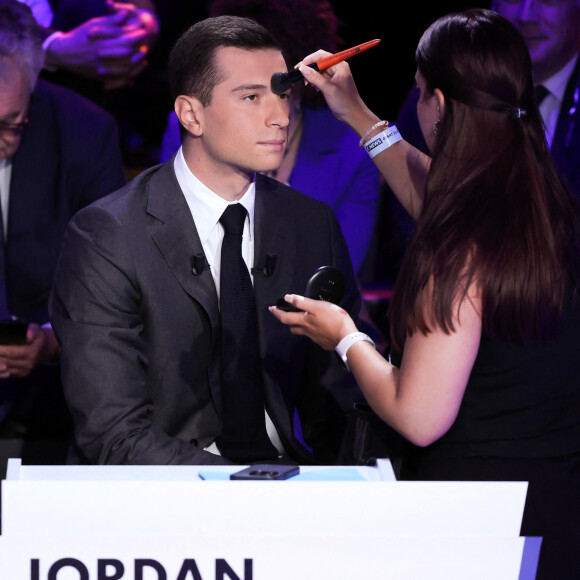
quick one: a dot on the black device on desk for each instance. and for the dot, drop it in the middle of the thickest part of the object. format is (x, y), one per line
(327, 284)
(267, 472)
(13, 332)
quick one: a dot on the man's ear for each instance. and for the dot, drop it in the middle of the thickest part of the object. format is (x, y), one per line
(189, 111)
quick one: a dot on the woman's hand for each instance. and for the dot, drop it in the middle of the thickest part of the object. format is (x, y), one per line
(325, 323)
(340, 91)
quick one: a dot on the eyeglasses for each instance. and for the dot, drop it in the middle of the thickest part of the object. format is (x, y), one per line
(13, 129)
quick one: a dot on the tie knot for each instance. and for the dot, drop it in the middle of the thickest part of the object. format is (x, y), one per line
(540, 92)
(233, 219)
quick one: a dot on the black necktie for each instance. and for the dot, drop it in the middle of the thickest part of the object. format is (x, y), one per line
(243, 437)
(4, 311)
(540, 93)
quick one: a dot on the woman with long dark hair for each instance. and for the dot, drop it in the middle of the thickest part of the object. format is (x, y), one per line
(485, 315)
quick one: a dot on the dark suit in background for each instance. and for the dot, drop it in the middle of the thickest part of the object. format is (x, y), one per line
(140, 330)
(68, 157)
(565, 149)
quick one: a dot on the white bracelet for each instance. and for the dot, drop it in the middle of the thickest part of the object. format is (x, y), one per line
(378, 124)
(383, 141)
(342, 347)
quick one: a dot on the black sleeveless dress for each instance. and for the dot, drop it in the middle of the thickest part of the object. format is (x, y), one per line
(520, 421)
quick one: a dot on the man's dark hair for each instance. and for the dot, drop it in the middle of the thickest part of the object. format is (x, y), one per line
(192, 66)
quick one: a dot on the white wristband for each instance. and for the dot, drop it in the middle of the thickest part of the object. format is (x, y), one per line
(383, 141)
(342, 347)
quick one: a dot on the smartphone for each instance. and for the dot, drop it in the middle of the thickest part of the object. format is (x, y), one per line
(327, 283)
(13, 332)
(267, 472)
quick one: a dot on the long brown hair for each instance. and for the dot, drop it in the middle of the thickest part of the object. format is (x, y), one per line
(495, 210)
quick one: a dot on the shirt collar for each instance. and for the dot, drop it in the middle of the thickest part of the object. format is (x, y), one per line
(557, 83)
(206, 206)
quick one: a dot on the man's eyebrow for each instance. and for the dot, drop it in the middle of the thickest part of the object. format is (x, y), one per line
(250, 87)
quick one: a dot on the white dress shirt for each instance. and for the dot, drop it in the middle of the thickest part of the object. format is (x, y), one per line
(206, 209)
(5, 176)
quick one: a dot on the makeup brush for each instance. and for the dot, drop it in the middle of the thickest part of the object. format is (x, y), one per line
(282, 81)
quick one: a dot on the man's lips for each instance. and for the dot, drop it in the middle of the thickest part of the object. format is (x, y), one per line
(273, 143)
(532, 34)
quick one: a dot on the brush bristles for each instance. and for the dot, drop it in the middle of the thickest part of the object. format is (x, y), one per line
(282, 81)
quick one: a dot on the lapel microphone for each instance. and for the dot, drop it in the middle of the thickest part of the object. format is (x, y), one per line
(282, 81)
(199, 264)
(268, 268)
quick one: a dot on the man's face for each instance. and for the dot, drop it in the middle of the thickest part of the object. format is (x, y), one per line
(244, 128)
(14, 97)
(551, 29)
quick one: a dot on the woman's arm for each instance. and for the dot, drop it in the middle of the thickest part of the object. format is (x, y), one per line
(403, 166)
(422, 398)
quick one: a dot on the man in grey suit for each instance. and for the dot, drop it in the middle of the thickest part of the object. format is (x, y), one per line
(136, 303)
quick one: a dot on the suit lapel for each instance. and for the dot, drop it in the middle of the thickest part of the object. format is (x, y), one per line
(566, 143)
(176, 238)
(275, 235)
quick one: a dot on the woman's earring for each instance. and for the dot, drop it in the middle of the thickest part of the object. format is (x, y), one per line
(436, 126)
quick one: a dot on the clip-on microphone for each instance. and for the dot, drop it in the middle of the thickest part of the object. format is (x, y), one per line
(268, 268)
(199, 264)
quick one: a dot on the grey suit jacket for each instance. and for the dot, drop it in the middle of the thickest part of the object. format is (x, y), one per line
(139, 329)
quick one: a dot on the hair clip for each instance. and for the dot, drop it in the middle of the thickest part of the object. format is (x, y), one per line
(518, 113)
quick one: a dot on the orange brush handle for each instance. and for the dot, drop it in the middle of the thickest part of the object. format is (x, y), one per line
(329, 61)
